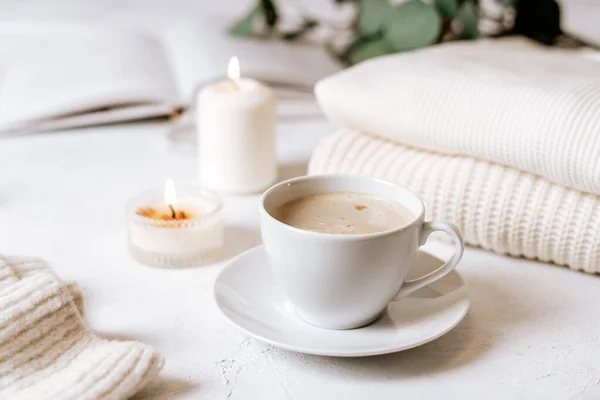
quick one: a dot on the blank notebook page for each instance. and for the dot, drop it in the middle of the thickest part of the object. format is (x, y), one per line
(51, 71)
(199, 52)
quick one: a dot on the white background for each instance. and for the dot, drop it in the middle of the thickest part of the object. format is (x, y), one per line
(533, 331)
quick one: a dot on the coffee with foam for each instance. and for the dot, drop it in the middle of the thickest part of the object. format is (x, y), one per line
(343, 213)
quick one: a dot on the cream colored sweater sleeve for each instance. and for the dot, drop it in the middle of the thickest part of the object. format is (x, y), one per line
(495, 207)
(47, 351)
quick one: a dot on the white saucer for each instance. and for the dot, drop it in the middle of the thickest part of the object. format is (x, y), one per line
(249, 296)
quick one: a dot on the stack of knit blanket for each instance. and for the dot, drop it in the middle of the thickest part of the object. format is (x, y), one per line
(502, 139)
(46, 349)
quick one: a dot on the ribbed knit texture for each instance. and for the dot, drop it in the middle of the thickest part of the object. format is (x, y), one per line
(495, 207)
(46, 350)
(512, 104)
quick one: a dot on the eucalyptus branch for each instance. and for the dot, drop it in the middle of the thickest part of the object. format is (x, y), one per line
(379, 27)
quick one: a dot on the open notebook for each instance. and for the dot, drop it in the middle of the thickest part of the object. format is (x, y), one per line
(57, 75)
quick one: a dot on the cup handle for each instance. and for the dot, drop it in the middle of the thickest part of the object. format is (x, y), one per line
(429, 227)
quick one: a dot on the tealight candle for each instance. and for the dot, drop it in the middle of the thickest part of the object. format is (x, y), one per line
(236, 134)
(182, 228)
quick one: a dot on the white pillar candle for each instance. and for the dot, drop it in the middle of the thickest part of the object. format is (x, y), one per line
(236, 134)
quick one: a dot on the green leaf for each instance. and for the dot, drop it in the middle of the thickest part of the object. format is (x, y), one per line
(244, 27)
(446, 8)
(412, 25)
(372, 15)
(370, 49)
(467, 15)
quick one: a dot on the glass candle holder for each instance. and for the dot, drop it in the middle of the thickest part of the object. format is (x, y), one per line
(190, 234)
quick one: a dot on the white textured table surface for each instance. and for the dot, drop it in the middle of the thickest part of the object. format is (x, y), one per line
(533, 331)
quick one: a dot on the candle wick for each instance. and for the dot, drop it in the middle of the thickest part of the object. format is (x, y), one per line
(173, 214)
(234, 84)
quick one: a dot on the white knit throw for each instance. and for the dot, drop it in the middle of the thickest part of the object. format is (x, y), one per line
(516, 105)
(46, 350)
(495, 207)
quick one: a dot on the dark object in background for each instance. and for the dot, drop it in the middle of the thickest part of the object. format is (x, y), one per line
(538, 20)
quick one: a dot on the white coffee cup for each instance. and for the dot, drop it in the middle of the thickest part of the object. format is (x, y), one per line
(344, 281)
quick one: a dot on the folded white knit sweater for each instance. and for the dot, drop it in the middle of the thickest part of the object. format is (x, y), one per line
(516, 105)
(495, 207)
(46, 350)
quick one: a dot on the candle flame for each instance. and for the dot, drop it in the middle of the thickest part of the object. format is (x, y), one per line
(170, 193)
(233, 69)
